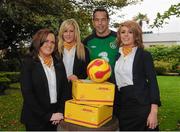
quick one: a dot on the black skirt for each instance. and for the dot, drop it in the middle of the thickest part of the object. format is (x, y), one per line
(131, 114)
(48, 126)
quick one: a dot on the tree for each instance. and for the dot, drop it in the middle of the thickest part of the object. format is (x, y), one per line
(140, 18)
(20, 19)
(174, 10)
(110, 5)
(2, 39)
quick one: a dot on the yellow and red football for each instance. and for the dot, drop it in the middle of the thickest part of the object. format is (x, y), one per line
(99, 70)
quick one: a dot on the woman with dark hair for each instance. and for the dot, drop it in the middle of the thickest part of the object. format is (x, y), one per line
(43, 84)
(137, 93)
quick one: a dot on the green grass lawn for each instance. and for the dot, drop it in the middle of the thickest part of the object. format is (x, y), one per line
(169, 112)
(10, 110)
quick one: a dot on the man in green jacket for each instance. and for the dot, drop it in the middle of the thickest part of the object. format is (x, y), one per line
(102, 42)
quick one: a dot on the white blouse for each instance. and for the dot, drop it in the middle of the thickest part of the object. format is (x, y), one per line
(68, 59)
(123, 69)
(51, 77)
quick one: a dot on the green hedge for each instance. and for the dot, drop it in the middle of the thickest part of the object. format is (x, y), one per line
(166, 58)
(12, 76)
(162, 67)
(15, 85)
(9, 65)
(4, 82)
(7, 78)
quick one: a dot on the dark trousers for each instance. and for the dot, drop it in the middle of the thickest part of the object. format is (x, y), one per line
(43, 126)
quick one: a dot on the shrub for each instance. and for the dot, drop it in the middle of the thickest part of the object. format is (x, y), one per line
(162, 67)
(12, 76)
(3, 65)
(9, 65)
(178, 69)
(166, 54)
(6, 78)
(13, 65)
(15, 85)
(4, 82)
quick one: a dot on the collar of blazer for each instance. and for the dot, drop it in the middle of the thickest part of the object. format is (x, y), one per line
(56, 60)
(137, 56)
(138, 52)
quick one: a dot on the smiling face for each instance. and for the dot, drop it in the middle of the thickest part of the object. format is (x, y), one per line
(69, 34)
(126, 36)
(48, 46)
(101, 23)
(130, 33)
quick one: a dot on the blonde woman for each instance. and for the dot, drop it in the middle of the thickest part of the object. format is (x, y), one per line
(73, 53)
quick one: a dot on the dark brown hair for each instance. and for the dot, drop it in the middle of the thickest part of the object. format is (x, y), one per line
(38, 40)
(100, 9)
(137, 33)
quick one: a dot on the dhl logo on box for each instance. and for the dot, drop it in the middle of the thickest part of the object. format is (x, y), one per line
(88, 92)
(92, 116)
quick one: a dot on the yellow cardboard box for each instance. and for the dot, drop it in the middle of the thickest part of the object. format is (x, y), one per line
(92, 116)
(89, 92)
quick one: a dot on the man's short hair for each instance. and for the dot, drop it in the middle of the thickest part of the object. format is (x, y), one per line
(102, 10)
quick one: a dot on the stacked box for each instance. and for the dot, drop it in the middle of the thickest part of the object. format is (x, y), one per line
(92, 116)
(91, 105)
(89, 92)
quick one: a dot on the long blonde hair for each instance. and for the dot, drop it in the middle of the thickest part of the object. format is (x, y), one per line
(137, 33)
(80, 51)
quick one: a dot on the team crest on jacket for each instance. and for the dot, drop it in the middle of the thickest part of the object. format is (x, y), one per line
(113, 45)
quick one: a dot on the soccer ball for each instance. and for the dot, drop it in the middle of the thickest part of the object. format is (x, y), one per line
(99, 70)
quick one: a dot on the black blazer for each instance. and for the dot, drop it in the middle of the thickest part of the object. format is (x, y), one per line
(145, 89)
(80, 67)
(34, 85)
